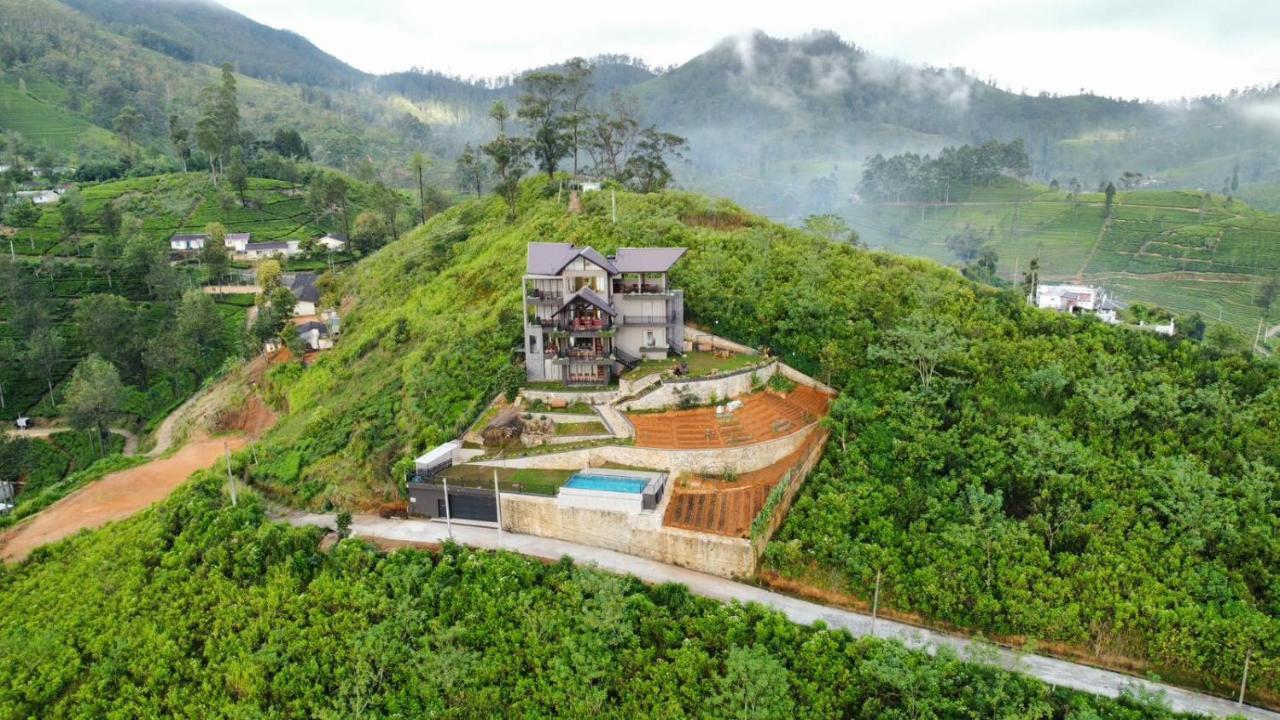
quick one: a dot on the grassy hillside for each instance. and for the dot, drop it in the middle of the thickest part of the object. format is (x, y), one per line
(211, 34)
(88, 72)
(24, 108)
(1015, 471)
(1187, 251)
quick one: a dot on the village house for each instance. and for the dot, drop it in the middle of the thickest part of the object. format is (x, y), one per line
(1077, 300)
(588, 316)
(187, 243)
(235, 242)
(333, 242)
(264, 250)
(303, 287)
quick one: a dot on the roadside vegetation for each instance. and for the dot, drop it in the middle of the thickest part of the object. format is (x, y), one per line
(221, 606)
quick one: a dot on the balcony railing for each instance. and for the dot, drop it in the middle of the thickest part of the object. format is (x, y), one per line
(585, 324)
(544, 295)
(639, 289)
(648, 319)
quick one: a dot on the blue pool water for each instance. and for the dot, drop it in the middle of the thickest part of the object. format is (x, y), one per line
(612, 483)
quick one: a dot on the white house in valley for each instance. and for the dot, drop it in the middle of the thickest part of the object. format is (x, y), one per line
(1077, 300)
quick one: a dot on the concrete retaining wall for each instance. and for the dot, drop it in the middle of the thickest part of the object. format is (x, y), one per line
(628, 386)
(741, 459)
(590, 397)
(723, 387)
(800, 378)
(640, 535)
(695, 338)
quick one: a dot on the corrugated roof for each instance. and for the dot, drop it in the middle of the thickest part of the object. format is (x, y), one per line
(188, 238)
(653, 259)
(266, 246)
(588, 295)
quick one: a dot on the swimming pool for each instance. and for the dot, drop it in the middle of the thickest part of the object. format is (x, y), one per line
(610, 483)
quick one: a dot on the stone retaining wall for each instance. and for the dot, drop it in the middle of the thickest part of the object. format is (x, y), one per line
(636, 534)
(723, 387)
(742, 459)
(590, 397)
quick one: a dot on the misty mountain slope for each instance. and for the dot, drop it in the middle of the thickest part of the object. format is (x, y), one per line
(80, 67)
(1182, 250)
(205, 32)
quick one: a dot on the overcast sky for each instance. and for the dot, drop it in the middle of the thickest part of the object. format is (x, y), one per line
(1157, 49)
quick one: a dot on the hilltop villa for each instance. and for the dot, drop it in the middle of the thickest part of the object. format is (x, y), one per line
(587, 316)
(1077, 299)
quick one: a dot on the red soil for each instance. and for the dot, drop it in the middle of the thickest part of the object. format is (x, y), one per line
(763, 416)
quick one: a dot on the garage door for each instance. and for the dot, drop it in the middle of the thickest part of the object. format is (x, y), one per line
(470, 507)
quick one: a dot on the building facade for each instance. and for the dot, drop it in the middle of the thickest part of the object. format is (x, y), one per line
(588, 316)
(1077, 299)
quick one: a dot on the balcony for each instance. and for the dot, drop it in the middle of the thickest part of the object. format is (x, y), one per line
(640, 289)
(651, 320)
(544, 296)
(591, 356)
(585, 325)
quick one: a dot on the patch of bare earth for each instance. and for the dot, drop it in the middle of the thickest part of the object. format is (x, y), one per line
(230, 406)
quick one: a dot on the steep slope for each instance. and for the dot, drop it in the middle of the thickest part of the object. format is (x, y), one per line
(88, 73)
(1185, 251)
(196, 604)
(205, 32)
(1003, 463)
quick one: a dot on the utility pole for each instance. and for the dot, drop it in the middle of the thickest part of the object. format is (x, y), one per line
(448, 516)
(875, 604)
(613, 200)
(497, 504)
(1244, 680)
(226, 449)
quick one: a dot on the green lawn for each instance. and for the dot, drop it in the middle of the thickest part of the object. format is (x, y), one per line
(582, 428)
(701, 364)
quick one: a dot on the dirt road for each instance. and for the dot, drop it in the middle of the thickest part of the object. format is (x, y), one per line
(130, 440)
(119, 495)
(115, 497)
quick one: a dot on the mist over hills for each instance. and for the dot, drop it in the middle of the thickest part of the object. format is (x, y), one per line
(781, 125)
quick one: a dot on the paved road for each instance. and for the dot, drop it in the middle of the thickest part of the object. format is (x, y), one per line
(1050, 670)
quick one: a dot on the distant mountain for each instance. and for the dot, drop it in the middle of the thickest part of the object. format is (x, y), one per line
(780, 125)
(205, 32)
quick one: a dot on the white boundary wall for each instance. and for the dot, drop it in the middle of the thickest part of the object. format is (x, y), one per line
(740, 459)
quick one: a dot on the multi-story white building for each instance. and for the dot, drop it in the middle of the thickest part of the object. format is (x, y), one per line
(587, 316)
(1077, 299)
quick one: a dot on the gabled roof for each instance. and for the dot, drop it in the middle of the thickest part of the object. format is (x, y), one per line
(266, 246)
(188, 238)
(651, 259)
(587, 295)
(304, 288)
(551, 258)
(239, 236)
(310, 325)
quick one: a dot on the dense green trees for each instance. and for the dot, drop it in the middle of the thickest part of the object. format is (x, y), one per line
(196, 604)
(910, 177)
(1009, 470)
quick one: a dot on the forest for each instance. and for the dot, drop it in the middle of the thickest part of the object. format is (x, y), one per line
(198, 604)
(910, 177)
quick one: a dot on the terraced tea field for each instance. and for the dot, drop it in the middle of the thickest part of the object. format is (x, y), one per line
(1182, 250)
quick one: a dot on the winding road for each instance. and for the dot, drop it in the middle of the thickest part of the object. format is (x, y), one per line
(130, 440)
(1051, 670)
